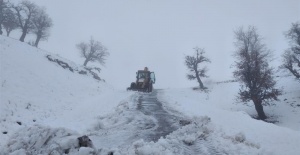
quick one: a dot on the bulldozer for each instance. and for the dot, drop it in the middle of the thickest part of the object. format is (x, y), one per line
(144, 81)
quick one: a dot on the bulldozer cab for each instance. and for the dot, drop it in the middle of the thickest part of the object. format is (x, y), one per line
(142, 75)
(144, 81)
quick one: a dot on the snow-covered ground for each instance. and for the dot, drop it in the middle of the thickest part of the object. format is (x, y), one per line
(232, 117)
(36, 91)
(45, 108)
(285, 112)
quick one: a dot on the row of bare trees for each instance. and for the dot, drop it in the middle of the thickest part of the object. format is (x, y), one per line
(26, 16)
(253, 71)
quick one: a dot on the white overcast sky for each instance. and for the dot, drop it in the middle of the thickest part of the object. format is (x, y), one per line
(159, 33)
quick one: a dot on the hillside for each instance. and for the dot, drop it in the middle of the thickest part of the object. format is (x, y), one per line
(35, 90)
(232, 117)
(47, 102)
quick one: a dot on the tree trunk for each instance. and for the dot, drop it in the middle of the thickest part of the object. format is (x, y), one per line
(85, 62)
(199, 80)
(22, 38)
(38, 38)
(259, 109)
(7, 33)
(24, 32)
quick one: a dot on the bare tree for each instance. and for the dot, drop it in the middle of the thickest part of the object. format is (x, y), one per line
(4, 5)
(42, 23)
(193, 63)
(10, 22)
(93, 51)
(291, 57)
(25, 11)
(253, 70)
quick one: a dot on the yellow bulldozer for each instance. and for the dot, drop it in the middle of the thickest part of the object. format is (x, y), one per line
(144, 81)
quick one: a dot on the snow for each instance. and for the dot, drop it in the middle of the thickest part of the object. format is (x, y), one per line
(39, 139)
(35, 90)
(45, 108)
(233, 117)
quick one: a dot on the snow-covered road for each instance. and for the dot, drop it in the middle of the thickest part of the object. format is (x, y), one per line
(144, 118)
(165, 123)
(145, 125)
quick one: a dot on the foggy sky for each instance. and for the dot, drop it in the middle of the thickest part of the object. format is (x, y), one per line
(159, 33)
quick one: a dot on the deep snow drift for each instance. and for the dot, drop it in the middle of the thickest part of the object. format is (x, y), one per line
(45, 108)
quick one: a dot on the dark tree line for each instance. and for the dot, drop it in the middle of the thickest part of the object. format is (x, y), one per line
(26, 16)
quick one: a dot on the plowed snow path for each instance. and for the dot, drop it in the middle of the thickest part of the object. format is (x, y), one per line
(144, 118)
(145, 126)
(165, 122)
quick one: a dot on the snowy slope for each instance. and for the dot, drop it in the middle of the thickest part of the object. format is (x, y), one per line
(35, 90)
(232, 117)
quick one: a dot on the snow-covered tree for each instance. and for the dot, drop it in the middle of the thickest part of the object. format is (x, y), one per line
(25, 11)
(10, 21)
(41, 23)
(93, 51)
(291, 57)
(193, 64)
(253, 70)
(4, 6)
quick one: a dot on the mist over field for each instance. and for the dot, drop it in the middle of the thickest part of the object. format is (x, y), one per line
(158, 34)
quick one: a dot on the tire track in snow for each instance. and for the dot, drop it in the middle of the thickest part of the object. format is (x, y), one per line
(165, 122)
(168, 123)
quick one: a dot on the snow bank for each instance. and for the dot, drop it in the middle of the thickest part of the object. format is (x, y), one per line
(198, 137)
(39, 139)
